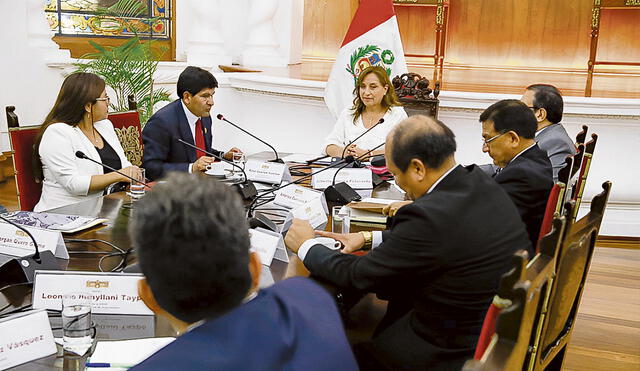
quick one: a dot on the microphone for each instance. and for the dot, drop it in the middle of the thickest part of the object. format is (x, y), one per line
(342, 192)
(80, 154)
(246, 189)
(360, 136)
(19, 270)
(277, 159)
(349, 159)
(309, 162)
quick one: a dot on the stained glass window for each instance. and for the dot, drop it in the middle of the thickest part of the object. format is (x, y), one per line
(80, 18)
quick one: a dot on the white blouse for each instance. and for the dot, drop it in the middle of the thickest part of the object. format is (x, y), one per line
(346, 130)
(66, 177)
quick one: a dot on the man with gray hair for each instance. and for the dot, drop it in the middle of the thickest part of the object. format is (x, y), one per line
(193, 245)
(439, 262)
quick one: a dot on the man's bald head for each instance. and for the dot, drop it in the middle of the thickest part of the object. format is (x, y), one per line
(423, 138)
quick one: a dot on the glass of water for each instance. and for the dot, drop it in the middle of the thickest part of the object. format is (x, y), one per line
(238, 159)
(340, 219)
(136, 189)
(77, 328)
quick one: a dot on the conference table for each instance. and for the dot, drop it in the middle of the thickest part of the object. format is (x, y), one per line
(119, 209)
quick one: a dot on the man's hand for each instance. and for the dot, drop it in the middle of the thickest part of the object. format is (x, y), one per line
(298, 233)
(201, 164)
(351, 241)
(392, 208)
(229, 154)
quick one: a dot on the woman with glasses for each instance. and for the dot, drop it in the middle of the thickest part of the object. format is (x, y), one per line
(78, 122)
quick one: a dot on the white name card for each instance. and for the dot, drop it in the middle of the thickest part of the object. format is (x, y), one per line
(112, 293)
(15, 242)
(312, 211)
(294, 196)
(266, 172)
(356, 178)
(25, 337)
(268, 245)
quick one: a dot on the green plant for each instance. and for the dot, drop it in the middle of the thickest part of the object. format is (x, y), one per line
(128, 68)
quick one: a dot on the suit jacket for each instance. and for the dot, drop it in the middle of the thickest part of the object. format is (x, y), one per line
(443, 254)
(292, 325)
(556, 143)
(66, 177)
(162, 151)
(527, 180)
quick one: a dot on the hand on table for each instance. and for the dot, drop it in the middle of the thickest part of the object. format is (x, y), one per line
(298, 233)
(392, 208)
(351, 241)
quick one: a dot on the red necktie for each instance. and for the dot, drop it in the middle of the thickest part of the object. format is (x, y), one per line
(199, 139)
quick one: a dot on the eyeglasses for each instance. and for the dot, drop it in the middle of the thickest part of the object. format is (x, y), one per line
(485, 142)
(103, 99)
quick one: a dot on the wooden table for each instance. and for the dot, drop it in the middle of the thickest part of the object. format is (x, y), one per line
(118, 208)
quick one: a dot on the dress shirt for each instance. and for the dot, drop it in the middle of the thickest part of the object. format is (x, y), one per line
(191, 119)
(377, 235)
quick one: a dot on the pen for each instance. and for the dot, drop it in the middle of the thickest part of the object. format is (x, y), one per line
(104, 365)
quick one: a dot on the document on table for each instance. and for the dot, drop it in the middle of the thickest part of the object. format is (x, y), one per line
(126, 352)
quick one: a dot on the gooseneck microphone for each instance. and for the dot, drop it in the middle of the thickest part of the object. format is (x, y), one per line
(361, 135)
(19, 270)
(277, 159)
(80, 154)
(333, 182)
(246, 188)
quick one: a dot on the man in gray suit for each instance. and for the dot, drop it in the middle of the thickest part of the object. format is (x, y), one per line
(547, 105)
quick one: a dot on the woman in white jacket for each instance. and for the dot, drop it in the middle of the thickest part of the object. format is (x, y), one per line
(78, 122)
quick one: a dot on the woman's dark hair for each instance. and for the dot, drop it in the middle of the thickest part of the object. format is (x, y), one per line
(77, 90)
(389, 99)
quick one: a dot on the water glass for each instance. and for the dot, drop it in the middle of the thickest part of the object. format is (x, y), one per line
(340, 219)
(137, 188)
(238, 159)
(77, 329)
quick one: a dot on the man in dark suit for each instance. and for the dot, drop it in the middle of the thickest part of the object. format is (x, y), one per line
(508, 129)
(439, 262)
(187, 118)
(547, 105)
(193, 245)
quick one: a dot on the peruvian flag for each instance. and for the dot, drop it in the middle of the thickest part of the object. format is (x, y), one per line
(373, 39)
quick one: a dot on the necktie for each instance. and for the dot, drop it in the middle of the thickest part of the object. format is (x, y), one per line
(199, 139)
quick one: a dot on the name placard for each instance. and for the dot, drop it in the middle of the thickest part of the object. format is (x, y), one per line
(268, 245)
(294, 196)
(25, 337)
(111, 293)
(266, 172)
(15, 242)
(356, 178)
(311, 211)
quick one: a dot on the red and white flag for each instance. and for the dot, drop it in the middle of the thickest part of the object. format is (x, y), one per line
(373, 39)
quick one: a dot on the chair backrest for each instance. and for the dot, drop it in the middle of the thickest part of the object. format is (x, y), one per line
(21, 140)
(415, 95)
(582, 135)
(517, 335)
(581, 182)
(129, 131)
(572, 265)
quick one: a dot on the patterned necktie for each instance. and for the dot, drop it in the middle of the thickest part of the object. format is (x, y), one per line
(199, 139)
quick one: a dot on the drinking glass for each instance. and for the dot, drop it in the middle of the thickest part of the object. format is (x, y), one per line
(137, 188)
(77, 328)
(340, 219)
(238, 159)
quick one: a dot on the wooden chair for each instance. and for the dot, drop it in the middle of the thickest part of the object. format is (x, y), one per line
(416, 96)
(129, 131)
(511, 318)
(581, 182)
(571, 267)
(21, 140)
(557, 198)
(582, 135)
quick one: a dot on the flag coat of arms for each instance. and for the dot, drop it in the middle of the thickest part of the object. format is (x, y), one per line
(373, 39)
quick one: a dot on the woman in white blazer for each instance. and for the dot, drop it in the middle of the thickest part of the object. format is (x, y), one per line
(374, 99)
(78, 122)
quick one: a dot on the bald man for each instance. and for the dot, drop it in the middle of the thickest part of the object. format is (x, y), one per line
(440, 261)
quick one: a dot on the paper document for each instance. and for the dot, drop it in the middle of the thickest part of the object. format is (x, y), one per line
(57, 222)
(300, 158)
(126, 352)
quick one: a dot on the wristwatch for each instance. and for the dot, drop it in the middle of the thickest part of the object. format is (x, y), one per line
(368, 240)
